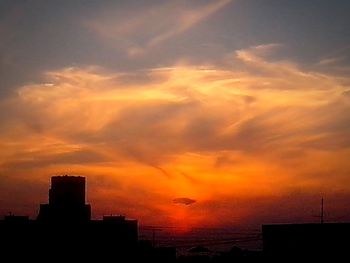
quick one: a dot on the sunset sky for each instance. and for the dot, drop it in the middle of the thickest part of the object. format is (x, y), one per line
(189, 113)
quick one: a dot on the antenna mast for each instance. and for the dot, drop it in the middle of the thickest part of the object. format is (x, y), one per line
(322, 218)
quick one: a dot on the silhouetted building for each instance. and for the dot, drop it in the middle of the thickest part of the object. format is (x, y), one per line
(64, 229)
(311, 241)
(66, 200)
(67, 190)
(64, 232)
(16, 219)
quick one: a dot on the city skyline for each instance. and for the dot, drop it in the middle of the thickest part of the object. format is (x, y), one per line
(182, 113)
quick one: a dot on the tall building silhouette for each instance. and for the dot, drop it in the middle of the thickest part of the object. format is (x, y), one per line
(67, 190)
(66, 200)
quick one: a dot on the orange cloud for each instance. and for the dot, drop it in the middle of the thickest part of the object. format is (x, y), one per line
(223, 137)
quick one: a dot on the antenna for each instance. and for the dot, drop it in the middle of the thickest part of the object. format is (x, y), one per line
(153, 237)
(322, 214)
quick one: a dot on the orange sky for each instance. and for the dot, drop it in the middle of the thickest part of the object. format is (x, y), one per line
(243, 132)
(221, 137)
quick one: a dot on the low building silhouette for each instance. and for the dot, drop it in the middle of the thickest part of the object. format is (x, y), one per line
(306, 241)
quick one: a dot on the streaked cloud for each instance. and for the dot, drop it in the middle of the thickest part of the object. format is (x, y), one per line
(208, 132)
(330, 61)
(141, 30)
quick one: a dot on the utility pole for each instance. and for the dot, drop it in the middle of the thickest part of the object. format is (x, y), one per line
(153, 229)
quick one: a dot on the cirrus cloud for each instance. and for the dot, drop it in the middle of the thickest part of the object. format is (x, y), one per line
(163, 22)
(203, 131)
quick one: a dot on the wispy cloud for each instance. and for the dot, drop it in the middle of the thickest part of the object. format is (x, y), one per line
(188, 19)
(141, 31)
(330, 61)
(334, 60)
(247, 133)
